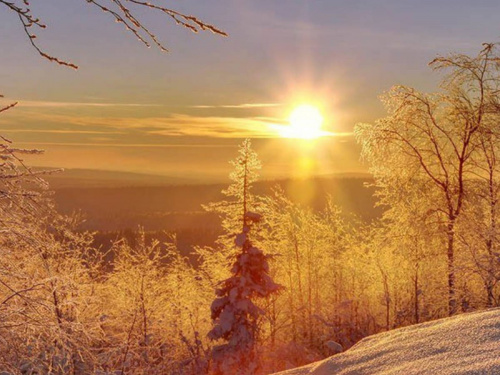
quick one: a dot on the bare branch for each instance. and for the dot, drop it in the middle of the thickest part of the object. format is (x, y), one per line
(122, 13)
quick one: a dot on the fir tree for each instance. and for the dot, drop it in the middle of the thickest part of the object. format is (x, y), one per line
(239, 197)
(234, 312)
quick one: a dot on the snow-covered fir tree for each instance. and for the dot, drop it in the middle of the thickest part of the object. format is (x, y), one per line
(239, 197)
(234, 312)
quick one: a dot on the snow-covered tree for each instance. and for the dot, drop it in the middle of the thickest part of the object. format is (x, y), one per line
(234, 311)
(217, 261)
(322, 268)
(154, 310)
(239, 196)
(45, 284)
(428, 142)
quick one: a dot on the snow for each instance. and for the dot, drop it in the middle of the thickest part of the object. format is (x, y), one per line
(334, 347)
(464, 344)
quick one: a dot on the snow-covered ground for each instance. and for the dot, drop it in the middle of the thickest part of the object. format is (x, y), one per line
(464, 344)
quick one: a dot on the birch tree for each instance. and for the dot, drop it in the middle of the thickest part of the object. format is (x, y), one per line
(430, 139)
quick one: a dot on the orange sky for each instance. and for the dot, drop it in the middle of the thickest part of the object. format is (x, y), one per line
(183, 113)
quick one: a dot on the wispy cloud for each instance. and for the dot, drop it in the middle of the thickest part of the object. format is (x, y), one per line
(56, 104)
(48, 104)
(57, 131)
(175, 125)
(125, 145)
(238, 106)
(218, 127)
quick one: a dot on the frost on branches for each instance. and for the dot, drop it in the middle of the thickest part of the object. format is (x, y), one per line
(234, 313)
(123, 12)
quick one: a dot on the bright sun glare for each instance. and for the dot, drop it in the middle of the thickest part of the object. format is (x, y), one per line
(305, 123)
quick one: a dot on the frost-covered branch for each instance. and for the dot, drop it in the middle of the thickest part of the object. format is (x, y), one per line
(124, 12)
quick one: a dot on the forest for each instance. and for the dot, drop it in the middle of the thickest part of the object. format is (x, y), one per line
(284, 284)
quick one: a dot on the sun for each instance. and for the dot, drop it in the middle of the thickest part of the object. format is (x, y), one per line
(305, 123)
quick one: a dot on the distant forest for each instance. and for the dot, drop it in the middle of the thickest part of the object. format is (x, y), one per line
(177, 207)
(114, 212)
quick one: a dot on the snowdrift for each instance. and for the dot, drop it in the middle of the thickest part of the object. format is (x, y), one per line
(464, 344)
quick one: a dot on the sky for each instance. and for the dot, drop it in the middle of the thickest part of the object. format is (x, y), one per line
(183, 113)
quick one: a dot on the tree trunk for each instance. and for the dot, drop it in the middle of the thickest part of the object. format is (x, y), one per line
(452, 302)
(417, 301)
(490, 243)
(490, 298)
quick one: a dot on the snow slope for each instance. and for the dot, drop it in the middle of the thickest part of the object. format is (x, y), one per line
(464, 344)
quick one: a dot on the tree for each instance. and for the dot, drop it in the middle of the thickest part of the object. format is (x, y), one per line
(46, 286)
(239, 199)
(134, 301)
(153, 309)
(125, 12)
(480, 234)
(234, 312)
(429, 140)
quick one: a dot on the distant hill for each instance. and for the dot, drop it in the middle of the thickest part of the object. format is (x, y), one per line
(92, 178)
(464, 344)
(115, 204)
(173, 206)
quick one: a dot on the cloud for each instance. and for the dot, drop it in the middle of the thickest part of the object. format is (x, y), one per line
(218, 127)
(53, 104)
(174, 125)
(57, 131)
(125, 145)
(48, 104)
(238, 106)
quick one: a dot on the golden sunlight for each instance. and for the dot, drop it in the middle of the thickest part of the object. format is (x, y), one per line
(305, 123)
